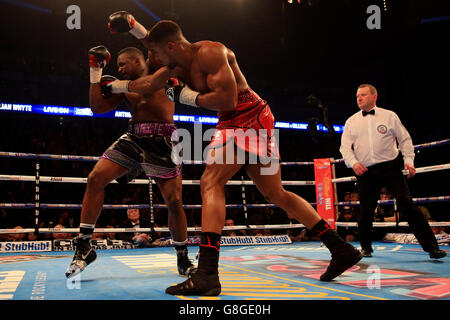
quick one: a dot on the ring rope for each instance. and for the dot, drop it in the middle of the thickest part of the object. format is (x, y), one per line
(121, 230)
(194, 162)
(417, 200)
(405, 172)
(199, 206)
(135, 181)
(197, 229)
(37, 205)
(416, 147)
(125, 206)
(197, 182)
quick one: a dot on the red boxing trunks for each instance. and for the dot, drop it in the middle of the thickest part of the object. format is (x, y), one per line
(250, 125)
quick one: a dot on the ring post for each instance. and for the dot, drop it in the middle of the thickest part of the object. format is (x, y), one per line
(333, 175)
(244, 201)
(36, 199)
(151, 206)
(325, 195)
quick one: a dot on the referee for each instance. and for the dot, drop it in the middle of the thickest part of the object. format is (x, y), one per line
(370, 145)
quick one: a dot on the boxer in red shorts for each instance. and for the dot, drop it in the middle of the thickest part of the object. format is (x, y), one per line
(251, 113)
(213, 80)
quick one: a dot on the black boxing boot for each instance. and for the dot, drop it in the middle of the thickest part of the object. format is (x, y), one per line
(184, 264)
(205, 281)
(343, 254)
(84, 256)
(199, 284)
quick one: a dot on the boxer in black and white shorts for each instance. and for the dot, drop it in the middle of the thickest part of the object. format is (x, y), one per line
(146, 147)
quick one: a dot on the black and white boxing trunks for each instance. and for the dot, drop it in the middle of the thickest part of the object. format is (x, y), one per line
(147, 147)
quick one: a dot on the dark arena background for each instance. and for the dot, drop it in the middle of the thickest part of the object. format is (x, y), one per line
(288, 51)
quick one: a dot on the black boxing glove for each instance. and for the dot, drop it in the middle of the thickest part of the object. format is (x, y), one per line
(104, 85)
(123, 21)
(98, 58)
(178, 91)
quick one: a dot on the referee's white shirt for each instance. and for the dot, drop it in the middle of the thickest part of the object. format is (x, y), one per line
(374, 139)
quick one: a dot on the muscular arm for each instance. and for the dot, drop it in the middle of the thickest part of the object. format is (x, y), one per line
(147, 85)
(100, 104)
(220, 79)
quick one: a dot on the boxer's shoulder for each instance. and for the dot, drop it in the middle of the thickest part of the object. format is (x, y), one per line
(206, 49)
(210, 55)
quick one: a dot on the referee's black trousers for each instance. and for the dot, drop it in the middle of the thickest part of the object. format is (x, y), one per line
(389, 174)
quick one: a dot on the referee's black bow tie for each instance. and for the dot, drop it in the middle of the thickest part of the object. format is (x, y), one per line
(365, 113)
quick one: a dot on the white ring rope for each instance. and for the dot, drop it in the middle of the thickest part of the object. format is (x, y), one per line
(119, 230)
(193, 162)
(197, 182)
(198, 229)
(405, 172)
(135, 181)
(199, 206)
(194, 182)
(416, 147)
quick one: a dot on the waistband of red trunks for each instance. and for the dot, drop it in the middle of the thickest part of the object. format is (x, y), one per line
(152, 129)
(246, 96)
(247, 100)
